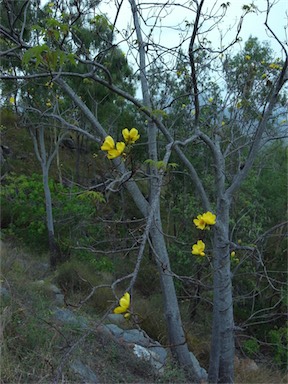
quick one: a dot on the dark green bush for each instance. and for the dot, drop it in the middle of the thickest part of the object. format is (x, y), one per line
(24, 213)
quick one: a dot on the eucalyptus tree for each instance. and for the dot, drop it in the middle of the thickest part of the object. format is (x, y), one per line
(222, 115)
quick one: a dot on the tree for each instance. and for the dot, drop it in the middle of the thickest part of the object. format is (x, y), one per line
(230, 120)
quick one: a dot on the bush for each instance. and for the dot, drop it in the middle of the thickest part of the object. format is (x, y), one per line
(24, 213)
(278, 337)
(251, 347)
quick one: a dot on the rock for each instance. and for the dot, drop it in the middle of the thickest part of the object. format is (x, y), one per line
(68, 317)
(143, 346)
(201, 372)
(85, 372)
(135, 336)
(59, 299)
(114, 330)
(54, 289)
(152, 357)
(116, 319)
(4, 293)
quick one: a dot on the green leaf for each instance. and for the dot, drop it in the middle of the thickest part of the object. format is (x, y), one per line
(92, 195)
(35, 53)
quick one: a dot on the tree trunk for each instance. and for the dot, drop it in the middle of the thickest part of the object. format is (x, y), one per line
(221, 367)
(177, 340)
(38, 138)
(53, 246)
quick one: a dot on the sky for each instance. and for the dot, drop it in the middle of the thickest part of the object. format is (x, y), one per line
(169, 36)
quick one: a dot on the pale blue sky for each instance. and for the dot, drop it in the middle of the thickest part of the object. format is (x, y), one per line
(253, 23)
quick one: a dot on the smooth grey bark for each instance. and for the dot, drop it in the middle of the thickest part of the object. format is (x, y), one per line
(45, 161)
(53, 247)
(177, 339)
(221, 365)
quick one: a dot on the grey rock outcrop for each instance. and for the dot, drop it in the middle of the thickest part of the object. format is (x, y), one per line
(142, 345)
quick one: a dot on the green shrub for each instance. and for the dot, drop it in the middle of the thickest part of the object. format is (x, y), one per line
(24, 213)
(251, 347)
(278, 337)
(98, 263)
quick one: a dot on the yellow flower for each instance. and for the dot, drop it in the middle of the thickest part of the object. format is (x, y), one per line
(108, 144)
(12, 100)
(112, 151)
(124, 304)
(130, 136)
(48, 104)
(49, 84)
(210, 99)
(116, 152)
(205, 220)
(274, 66)
(248, 57)
(232, 254)
(198, 249)
(199, 222)
(209, 218)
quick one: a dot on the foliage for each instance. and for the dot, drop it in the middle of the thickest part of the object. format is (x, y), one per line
(251, 347)
(278, 337)
(24, 207)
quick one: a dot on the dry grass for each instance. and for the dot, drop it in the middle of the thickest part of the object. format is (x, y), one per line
(261, 376)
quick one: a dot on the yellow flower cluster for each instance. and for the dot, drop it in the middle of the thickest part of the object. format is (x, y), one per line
(198, 248)
(124, 304)
(130, 136)
(117, 150)
(112, 150)
(204, 221)
(233, 257)
(275, 66)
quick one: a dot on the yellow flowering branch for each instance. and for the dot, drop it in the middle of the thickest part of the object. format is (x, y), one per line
(202, 222)
(124, 305)
(115, 150)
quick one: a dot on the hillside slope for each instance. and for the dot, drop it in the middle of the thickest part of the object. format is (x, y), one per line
(46, 340)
